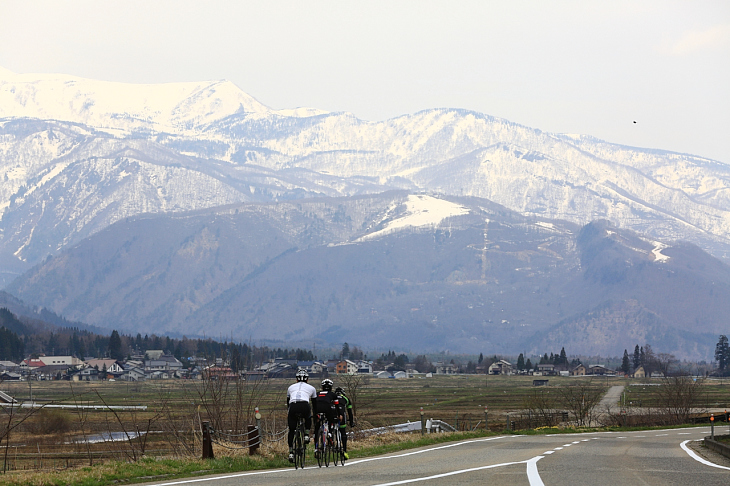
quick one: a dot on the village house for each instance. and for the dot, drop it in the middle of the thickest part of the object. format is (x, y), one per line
(579, 370)
(546, 369)
(500, 367)
(346, 367)
(8, 366)
(109, 366)
(599, 370)
(639, 372)
(133, 374)
(364, 366)
(443, 368)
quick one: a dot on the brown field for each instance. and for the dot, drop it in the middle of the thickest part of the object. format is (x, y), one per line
(176, 408)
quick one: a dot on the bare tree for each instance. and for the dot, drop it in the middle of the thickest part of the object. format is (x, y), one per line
(678, 397)
(353, 385)
(541, 405)
(580, 401)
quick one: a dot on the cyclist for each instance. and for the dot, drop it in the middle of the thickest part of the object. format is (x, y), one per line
(297, 399)
(324, 403)
(345, 405)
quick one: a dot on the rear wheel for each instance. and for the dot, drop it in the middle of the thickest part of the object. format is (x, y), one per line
(298, 449)
(301, 453)
(329, 449)
(319, 445)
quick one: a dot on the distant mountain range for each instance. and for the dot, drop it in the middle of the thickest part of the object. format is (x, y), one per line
(192, 207)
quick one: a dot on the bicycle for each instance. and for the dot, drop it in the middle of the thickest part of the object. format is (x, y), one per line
(299, 446)
(320, 441)
(339, 451)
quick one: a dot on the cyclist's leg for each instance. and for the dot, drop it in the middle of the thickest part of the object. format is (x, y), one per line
(343, 438)
(292, 422)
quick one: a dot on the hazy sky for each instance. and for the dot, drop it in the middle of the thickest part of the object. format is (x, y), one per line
(575, 67)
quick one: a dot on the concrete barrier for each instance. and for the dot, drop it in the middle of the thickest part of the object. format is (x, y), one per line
(717, 446)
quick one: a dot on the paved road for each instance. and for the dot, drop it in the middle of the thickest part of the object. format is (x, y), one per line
(644, 458)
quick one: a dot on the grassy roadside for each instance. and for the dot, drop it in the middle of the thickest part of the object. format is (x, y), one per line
(153, 470)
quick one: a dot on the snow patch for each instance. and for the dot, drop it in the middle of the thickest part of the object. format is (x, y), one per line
(422, 211)
(657, 252)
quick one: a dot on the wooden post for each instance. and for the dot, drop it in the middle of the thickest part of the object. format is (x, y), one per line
(486, 419)
(423, 423)
(254, 440)
(207, 442)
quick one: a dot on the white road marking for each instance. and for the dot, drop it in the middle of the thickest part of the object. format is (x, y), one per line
(620, 437)
(548, 452)
(576, 442)
(558, 448)
(585, 440)
(660, 435)
(532, 474)
(697, 458)
(452, 473)
(683, 433)
(352, 463)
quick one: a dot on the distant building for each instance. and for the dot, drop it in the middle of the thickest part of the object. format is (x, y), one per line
(500, 367)
(8, 366)
(579, 370)
(443, 368)
(61, 360)
(639, 372)
(111, 366)
(599, 370)
(346, 367)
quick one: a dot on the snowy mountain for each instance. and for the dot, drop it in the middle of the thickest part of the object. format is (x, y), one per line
(79, 156)
(182, 146)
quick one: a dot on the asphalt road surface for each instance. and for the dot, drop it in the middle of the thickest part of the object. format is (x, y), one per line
(654, 457)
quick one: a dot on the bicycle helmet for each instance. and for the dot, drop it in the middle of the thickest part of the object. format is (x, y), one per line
(302, 375)
(327, 384)
(339, 390)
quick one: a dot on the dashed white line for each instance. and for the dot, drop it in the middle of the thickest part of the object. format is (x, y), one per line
(548, 452)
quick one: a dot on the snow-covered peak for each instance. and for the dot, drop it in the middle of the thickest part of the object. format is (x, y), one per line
(421, 211)
(5, 73)
(172, 107)
(301, 112)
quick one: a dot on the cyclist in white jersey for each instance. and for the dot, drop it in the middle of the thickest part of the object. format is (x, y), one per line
(297, 399)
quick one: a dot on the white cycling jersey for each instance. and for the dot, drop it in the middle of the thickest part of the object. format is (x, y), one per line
(301, 392)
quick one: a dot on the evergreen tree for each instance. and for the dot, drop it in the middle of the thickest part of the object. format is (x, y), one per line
(563, 356)
(520, 362)
(722, 354)
(12, 348)
(637, 357)
(345, 351)
(481, 358)
(115, 346)
(528, 364)
(625, 363)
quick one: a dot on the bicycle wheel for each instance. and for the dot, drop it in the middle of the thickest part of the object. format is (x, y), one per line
(340, 448)
(336, 447)
(319, 443)
(328, 449)
(298, 448)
